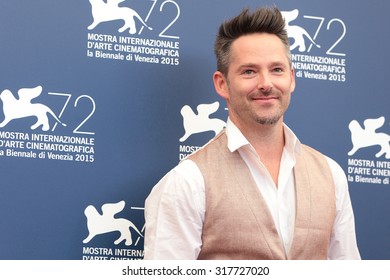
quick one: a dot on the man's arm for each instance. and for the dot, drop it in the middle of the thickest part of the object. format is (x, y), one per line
(343, 245)
(174, 214)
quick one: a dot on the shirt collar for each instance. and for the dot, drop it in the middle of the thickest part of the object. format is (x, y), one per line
(237, 140)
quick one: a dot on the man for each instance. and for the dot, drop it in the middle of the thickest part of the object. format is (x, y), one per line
(254, 191)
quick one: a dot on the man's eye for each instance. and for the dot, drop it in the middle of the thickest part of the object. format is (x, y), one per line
(278, 69)
(248, 72)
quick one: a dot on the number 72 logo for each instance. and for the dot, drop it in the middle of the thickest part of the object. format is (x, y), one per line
(81, 98)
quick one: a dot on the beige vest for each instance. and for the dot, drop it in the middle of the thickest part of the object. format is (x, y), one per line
(238, 224)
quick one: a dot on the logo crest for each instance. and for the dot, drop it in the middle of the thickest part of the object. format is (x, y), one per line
(108, 11)
(106, 222)
(368, 136)
(22, 107)
(201, 122)
(297, 33)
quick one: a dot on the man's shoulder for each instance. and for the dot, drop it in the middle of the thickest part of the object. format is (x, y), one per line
(310, 149)
(333, 164)
(209, 148)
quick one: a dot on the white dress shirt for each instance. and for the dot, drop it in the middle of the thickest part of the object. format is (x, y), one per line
(175, 209)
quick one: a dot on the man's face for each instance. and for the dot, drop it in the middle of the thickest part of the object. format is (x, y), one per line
(259, 82)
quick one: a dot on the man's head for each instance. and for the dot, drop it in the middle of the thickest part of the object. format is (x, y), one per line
(263, 20)
(255, 74)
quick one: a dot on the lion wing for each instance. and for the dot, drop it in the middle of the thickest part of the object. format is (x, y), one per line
(373, 124)
(28, 94)
(110, 209)
(114, 2)
(207, 109)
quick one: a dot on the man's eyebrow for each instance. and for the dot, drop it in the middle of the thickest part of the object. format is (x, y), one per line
(248, 65)
(272, 64)
(279, 63)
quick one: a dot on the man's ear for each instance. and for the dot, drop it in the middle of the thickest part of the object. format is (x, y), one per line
(292, 87)
(221, 84)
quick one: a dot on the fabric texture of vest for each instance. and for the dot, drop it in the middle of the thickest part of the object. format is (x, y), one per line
(238, 224)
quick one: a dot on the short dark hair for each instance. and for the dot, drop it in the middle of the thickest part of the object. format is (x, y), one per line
(262, 20)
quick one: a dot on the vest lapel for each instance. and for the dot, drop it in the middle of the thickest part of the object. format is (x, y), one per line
(303, 210)
(316, 206)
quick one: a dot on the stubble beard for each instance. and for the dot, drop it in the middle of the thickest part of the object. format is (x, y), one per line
(268, 121)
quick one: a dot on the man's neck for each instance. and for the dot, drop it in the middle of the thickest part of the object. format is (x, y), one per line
(268, 142)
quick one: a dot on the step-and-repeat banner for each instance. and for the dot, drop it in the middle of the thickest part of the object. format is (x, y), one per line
(99, 99)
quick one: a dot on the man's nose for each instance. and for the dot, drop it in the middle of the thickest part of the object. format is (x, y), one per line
(265, 83)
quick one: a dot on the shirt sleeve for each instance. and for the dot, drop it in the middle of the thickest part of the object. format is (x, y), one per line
(174, 215)
(343, 245)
